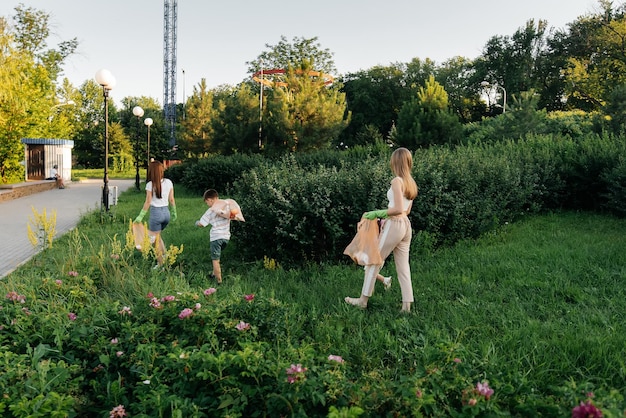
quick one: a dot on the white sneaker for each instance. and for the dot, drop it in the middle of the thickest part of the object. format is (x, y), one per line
(387, 282)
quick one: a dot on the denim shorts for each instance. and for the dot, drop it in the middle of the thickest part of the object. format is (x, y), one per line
(216, 248)
(159, 218)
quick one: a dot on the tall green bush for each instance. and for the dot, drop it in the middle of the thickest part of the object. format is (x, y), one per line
(304, 207)
(216, 172)
(306, 214)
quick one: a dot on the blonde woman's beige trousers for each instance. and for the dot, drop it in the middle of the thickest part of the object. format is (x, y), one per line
(395, 236)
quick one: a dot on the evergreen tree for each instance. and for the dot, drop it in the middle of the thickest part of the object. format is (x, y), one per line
(306, 114)
(427, 120)
(197, 127)
(237, 123)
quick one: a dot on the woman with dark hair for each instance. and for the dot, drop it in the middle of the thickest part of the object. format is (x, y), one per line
(160, 201)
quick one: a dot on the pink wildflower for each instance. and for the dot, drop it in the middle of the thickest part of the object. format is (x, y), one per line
(333, 357)
(114, 341)
(295, 373)
(197, 307)
(209, 291)
(242, 326)
(185, 313)
(72, 273)
(58, 282)
(119, 353)
(117, 412)
(15, 297)
(155, 303)
(472, 402)
(150, 295)
(72, 316)
(125, 311)
(586, 410)
(249, 297)
(168, 298)
(457, 360)
(484, 389)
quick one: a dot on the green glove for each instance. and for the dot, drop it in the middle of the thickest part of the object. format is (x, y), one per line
(139, 218)
(382, 213)
(173, 213)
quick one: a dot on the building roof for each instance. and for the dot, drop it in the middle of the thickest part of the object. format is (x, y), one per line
(48, 141)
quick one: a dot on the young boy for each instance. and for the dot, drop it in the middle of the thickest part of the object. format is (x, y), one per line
(220, 228)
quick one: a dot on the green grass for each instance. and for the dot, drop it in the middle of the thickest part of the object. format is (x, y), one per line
(537, 307)
(98, 173)
(546, 294)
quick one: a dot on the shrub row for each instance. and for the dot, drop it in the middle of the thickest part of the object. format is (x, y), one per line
(305, 208)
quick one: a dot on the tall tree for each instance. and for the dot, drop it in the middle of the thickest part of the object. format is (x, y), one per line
(23, 112)
(306, 114)
(28, 97)
(514, 62)
(237, 123)
(597, 57)
(32, 31)
(285, 54)
(458, 77)
(427, 120)
(374, 98)
(197, 129)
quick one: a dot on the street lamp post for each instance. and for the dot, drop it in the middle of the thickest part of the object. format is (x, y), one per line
(137, 111)
(107, 81)
(148, 122)
(497, 86)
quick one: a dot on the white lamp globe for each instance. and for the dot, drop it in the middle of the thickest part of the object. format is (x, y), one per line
(105, 79)
(138, 111)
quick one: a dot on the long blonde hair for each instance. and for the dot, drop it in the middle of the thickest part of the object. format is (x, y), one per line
(156, 171)
(401, 164)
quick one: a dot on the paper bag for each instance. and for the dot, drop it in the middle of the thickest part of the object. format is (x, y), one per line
(364, 246)
(140, 233)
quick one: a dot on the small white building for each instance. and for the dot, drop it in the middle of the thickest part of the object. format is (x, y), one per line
(41, 154)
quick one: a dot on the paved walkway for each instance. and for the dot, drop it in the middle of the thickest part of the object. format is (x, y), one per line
(70, 205)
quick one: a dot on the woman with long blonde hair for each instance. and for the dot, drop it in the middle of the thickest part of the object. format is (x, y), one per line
(160, 201)
(396, 231)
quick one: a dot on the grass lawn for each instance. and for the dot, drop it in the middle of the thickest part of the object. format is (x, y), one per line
(536, 309)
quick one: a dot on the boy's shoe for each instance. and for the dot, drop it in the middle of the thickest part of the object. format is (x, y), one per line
(387, 282)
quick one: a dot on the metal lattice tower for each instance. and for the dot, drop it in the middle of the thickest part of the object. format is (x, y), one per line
(169, 67)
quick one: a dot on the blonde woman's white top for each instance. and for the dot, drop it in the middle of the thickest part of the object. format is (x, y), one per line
(406, 203)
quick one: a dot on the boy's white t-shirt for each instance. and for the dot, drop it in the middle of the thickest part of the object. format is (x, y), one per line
(166, 187)
(220, 226)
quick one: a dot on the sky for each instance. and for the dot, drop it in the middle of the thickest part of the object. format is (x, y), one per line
(215, 39)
